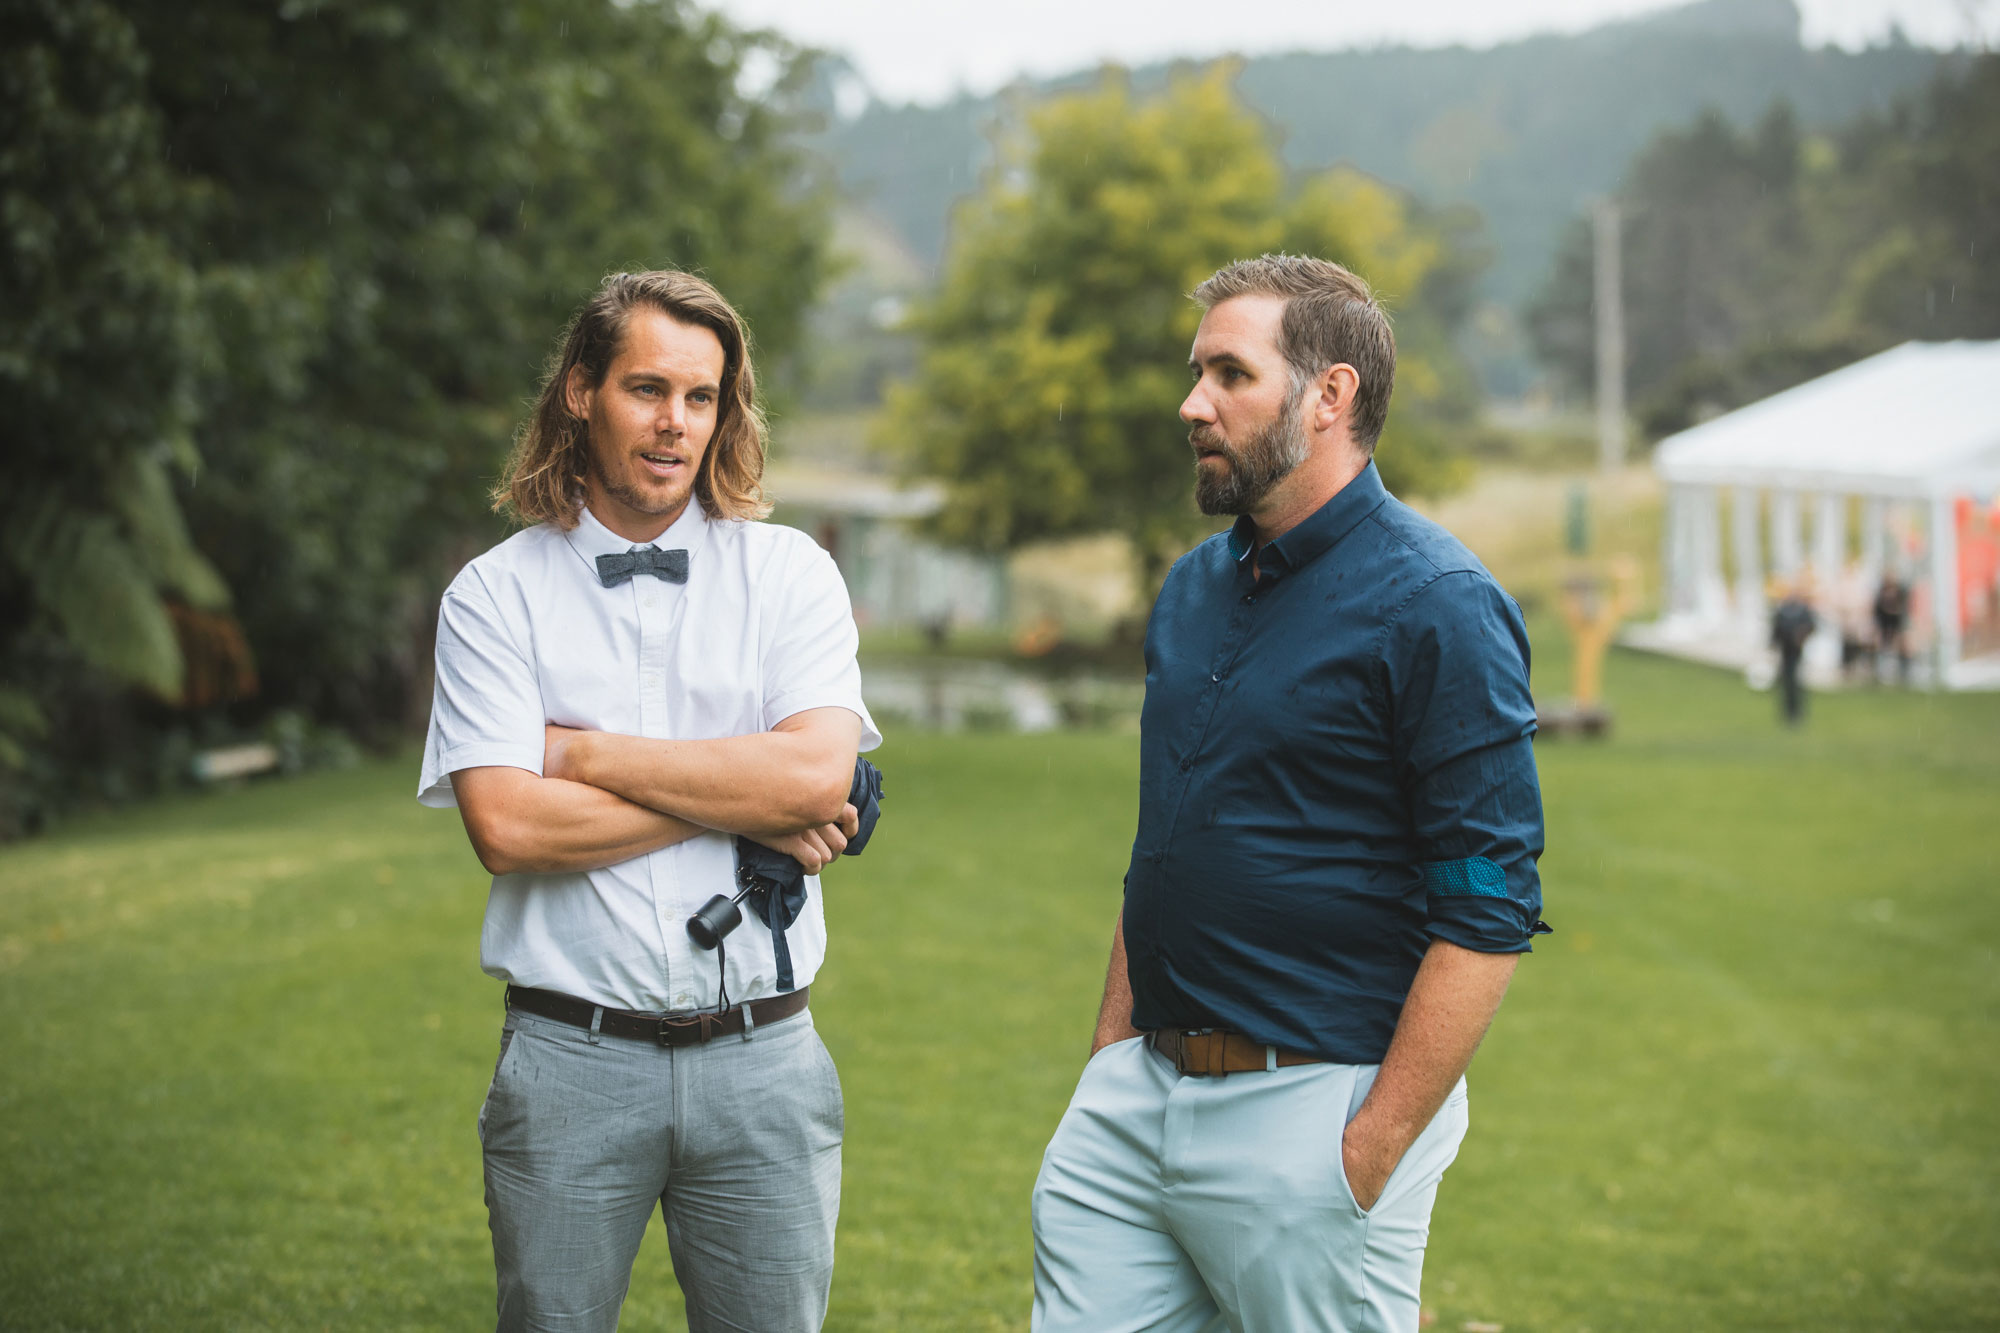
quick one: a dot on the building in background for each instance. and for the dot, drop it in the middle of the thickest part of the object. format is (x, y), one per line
(895, 578)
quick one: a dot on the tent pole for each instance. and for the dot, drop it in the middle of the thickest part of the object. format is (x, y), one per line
(1829, 560)
(1671, 547)
(1711, 593)
(1944, 588)
(1873, 538)
(1749, 553)
(1787, 554)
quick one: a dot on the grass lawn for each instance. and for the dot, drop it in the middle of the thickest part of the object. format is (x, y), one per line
(1752, 1082)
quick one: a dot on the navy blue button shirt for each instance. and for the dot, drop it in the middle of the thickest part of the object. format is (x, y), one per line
(1336, 767)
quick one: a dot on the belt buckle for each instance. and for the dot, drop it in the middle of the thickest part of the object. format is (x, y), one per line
(1181, 1063)
(691, 1031)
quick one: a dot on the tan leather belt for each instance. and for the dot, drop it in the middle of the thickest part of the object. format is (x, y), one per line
(1214, 1051)
(672, 1030)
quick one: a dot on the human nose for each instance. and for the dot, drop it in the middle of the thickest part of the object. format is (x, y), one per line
(672, 419)
(1195, 408)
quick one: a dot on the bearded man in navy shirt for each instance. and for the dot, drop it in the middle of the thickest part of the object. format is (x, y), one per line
(1334, 874)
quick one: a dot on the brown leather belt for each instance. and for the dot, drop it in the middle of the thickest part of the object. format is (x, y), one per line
(673, 1030)
(1214, 1051)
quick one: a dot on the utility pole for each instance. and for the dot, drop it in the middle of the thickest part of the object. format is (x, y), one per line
(1972, 17)
(1610, 304)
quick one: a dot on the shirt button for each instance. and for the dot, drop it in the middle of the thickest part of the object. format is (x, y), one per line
(1215, 676)
(1186, 764)
(1249, 597)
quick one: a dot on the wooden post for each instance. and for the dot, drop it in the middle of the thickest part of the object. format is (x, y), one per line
(1610, 305)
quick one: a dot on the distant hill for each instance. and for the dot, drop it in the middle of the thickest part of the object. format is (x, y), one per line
(1526, 132)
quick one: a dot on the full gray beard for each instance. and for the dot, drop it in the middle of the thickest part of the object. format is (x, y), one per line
(1271, 455)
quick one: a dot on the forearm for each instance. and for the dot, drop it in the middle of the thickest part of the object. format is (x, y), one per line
(1114, 1015)
(765, 784)
(519, 822)
(1450, 1005)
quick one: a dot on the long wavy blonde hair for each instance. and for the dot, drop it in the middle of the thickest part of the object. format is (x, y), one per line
(544, 478)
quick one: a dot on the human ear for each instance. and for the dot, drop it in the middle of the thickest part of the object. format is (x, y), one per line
(1337, 390)
(577, 393)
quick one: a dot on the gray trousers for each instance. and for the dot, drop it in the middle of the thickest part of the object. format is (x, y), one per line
(737, 1140)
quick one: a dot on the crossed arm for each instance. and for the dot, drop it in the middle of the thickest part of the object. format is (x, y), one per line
(1451, 1003)
(602, 798)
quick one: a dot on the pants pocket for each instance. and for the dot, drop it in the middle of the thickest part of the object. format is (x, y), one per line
(508, 1032)
(833, 1103)
(1360, 1078)
(1425, 1160)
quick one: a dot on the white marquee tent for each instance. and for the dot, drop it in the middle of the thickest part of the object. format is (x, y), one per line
(1910, 438)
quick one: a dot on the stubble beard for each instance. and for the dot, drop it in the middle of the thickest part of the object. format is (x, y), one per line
(639, 500)
(1266, 459)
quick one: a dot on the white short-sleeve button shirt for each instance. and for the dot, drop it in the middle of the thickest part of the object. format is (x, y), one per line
(528, 635)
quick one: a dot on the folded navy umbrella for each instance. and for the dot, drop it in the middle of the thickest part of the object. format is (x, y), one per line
(776, 882)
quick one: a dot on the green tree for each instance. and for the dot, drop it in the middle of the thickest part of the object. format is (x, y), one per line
(1913, 203)
(1713, 245)
(280, 277)
(1054, 353)
(100, 343)
(1754, 261)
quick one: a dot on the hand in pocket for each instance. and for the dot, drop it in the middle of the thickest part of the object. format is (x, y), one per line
(1368, 1164)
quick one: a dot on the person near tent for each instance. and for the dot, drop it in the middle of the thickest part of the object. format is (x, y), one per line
(1892, 621)
(1792, 623)
(1853, 610)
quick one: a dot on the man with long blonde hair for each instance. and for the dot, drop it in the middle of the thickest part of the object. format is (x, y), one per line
(642, 672)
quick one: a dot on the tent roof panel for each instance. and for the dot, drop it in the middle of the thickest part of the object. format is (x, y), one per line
(1916, 414)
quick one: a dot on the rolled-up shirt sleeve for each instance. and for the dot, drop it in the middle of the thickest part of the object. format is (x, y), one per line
(1456, 664)
(810, 659)
(486, 709)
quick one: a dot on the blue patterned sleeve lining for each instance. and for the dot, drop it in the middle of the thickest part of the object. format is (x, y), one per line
(1468, 877)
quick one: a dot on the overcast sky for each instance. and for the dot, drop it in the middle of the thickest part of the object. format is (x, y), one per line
(926, 50)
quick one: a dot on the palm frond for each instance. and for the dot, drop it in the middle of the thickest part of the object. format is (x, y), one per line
(86, 574)
(20, 719)
(142, 495)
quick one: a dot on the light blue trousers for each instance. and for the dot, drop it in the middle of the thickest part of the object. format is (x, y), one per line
(737, 1142)
(1180, 1203)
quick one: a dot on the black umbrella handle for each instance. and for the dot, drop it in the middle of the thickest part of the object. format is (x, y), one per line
(717, 917)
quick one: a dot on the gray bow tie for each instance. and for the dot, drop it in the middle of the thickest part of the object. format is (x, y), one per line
(672, 565)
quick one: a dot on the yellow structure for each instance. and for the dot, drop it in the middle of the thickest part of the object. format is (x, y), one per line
(1593, 617)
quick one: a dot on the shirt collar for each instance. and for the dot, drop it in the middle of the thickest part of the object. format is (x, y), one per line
(1317, 533)
(590, 538)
